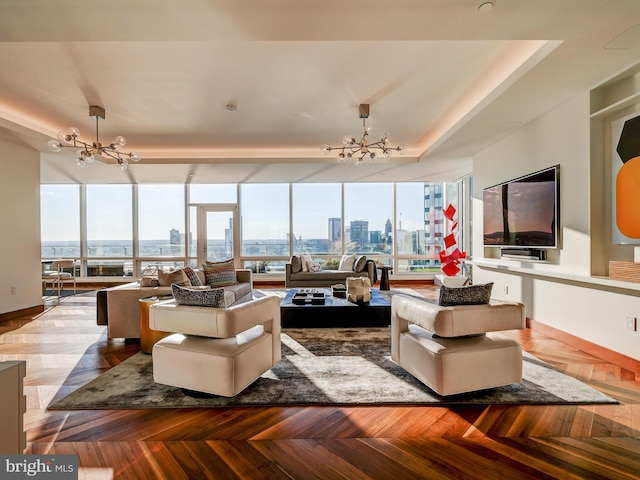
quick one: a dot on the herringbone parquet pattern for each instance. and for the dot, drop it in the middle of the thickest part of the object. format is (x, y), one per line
(64, 348)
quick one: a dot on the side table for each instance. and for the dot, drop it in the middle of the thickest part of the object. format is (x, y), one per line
(384, 276)
(149, 337)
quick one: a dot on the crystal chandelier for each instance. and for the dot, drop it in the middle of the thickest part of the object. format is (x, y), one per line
(88, 152)
(359, 150)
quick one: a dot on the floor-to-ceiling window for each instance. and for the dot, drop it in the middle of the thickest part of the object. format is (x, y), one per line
(161, 225)
(265, 226)
(317, 221)
(109, 235)
(60, 221)
(123, 230)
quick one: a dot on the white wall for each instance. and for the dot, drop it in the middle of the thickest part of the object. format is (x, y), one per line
(559, 292)
(20, 226)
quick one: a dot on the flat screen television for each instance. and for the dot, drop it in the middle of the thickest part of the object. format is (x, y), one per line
(523, 212)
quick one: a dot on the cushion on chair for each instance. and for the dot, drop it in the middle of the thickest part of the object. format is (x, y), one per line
(467, 295)
(178, 277)
(200, 298)
(220, 274)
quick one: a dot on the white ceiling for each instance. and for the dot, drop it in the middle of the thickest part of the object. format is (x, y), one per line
(446, 80)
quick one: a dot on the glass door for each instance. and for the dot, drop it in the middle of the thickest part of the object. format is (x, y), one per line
(217, 233)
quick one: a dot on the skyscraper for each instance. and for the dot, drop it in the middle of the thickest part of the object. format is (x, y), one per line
(335, 229)
(359, 230)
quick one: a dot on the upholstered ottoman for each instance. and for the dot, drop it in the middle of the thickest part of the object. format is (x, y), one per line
(220, 366)
(456, 365)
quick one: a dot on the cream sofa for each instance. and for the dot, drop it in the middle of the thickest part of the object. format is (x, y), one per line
(119, 308)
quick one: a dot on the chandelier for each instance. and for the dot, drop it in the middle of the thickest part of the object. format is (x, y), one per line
(361, 149)
(88, 152)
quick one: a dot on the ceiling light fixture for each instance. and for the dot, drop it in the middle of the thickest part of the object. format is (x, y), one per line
(359, 150)
(88, 152)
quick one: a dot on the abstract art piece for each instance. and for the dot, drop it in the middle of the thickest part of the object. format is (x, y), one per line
(625, 163)
(451, 258)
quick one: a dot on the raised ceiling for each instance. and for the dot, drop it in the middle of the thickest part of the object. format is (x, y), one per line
(445, 79)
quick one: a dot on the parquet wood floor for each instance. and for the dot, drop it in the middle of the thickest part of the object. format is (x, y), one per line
(64, 348)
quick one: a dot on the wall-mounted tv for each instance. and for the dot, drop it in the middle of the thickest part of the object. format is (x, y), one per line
(524, 212)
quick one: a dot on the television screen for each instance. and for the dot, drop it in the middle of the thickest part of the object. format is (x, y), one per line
(522, 212)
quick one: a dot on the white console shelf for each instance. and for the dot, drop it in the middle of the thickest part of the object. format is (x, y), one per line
(13, 406)
(593, 281)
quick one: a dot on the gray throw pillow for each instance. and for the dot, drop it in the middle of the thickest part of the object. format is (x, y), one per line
(213, 297)
(469, 295)
(360, 263)
(296, 264)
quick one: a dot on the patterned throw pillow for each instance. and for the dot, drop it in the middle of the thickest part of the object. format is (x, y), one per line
(193, 277)
(199, 298)
(360, 264)
(220, 274)
(178, 277)
(469, 295)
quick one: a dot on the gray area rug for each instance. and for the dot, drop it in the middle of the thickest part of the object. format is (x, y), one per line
(324, 367)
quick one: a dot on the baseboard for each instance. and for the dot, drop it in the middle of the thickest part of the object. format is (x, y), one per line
(24, 312)
(611, 356)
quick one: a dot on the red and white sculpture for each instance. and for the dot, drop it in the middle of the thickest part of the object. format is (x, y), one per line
(451, 258)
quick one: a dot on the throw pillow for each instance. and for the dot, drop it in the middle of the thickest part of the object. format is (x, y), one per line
(178, 277)
(315, 267)
(360, 264)
(198, 298)
(149, 282)
(220, 274)
(346, 262)
(296, 264)
(306, 261)
(469, 295)
(193, 277)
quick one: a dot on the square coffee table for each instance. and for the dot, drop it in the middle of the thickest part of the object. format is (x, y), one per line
(336, 312)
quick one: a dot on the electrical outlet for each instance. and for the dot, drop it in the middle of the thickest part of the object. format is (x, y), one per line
(14, 290)
(506, 290)
(631, 323)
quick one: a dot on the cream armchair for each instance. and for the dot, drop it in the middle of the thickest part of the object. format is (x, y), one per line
(450, 350)
(220, 351)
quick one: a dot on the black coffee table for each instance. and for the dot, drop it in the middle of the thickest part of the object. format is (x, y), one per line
(336, 312)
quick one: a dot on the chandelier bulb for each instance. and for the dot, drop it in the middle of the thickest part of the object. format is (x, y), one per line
(54, 146)
(357, 162)
(386, 153)
(63, 137)
(368, 129)
(341, 158)
(122, 164)
(135, 156)
(348, 140)
(325, 149)
(73, 132)
(372, 155)
(402, 150)
(80, 162)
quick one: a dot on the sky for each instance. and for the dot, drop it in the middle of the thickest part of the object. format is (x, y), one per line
(265, 212)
